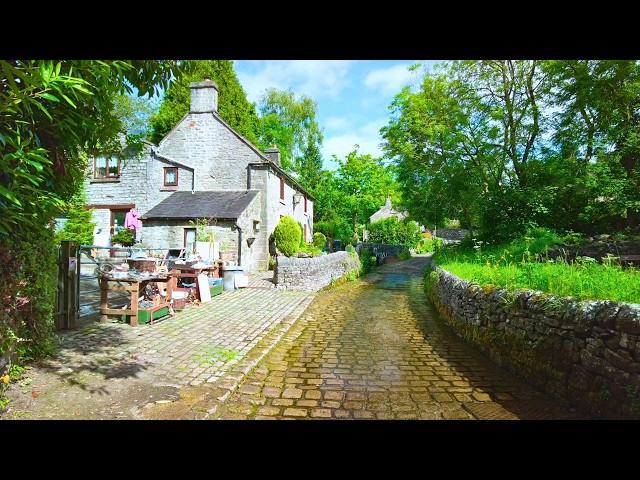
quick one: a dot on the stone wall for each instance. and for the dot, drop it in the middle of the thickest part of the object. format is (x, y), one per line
(381, 250)
(585, 352)
(312, 274)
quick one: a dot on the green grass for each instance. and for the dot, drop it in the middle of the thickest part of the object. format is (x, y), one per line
(522, 265)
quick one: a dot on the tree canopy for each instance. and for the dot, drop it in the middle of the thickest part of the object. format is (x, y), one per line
(233, 105)
(506, 145)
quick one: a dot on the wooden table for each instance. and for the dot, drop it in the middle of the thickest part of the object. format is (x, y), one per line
(135, 286)
(184, 271)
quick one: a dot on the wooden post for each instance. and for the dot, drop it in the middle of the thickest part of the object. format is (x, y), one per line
(104, 292)
(134, 304)
(67, 298)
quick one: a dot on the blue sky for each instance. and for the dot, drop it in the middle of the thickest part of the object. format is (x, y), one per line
(353, 96)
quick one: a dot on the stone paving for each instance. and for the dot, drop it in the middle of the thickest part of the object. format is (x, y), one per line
(375, 349)
(195, 347)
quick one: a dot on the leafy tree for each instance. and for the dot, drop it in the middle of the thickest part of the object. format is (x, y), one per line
(233, 105)
(79, 225)
(363, 184)
(50, 114)
(395, 232)
(290, 123)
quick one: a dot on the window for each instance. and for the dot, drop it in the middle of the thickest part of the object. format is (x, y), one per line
(305, 232)
(171, 176)
(117, 219)
(282, 189)
(106, 167)
(305, 204)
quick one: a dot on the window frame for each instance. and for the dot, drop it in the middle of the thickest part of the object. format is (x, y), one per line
(305, 204)
(165, 177)
(107, 175)
(282, 188)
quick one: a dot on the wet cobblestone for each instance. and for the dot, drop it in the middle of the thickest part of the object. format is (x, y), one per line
(375, 349)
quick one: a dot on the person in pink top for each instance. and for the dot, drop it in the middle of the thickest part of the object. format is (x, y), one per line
(132, 221)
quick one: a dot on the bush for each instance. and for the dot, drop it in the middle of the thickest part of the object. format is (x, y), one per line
(394, 232)
(367, 261)
(336, 229)
(429, 245)
(79, 225)
(287, 235)
(310, 248)
(28, 267)
(124, 237)
(319, 240)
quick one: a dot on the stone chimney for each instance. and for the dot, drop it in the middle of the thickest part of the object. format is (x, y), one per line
(273, 154)
(204, 96)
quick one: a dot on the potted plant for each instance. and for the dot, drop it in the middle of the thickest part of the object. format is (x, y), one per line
(124, 238)
(206, 246)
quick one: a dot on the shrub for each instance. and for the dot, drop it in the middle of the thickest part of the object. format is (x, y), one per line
(79, 225)
(336, 229)
(367, 261)
(404, 255)
(310, 248)
(287, 235)
(124, 237)
(429, 245)
(394, 232)
(319, 240)
(28, 266)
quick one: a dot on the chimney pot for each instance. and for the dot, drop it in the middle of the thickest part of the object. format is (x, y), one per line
(273, 154)
(204, 96)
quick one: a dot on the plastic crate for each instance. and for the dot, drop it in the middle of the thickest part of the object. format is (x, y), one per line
(146, 315)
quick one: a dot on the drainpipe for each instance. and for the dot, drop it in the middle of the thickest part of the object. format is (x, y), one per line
(239, 244)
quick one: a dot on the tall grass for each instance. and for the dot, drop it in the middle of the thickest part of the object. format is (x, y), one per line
(522, 264)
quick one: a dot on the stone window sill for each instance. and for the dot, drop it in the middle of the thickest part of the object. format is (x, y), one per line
(104, 180)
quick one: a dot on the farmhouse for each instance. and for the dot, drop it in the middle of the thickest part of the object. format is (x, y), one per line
(203, 168)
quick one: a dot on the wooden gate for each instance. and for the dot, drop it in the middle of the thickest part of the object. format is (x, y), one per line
(68, 298)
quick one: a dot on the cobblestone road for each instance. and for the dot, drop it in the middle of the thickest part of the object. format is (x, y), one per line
(111, 370)
(374, 349)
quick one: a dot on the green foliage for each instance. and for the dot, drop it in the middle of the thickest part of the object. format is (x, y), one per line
(204, 232)
(290, 123)
(50, 114)
(287, 235)
(310, 248)
(79, 225)
(367, 261)
(125, 237)
(521, 264)
(320, 240)
(233, 105)
(395, 232)
(404, 255)
(28, 266)
(336, 229)
(509, 145)
(429, 245)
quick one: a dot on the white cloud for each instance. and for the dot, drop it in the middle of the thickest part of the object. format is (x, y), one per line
(367, 137)
(390, 80)
(336, 123)
(315, 78)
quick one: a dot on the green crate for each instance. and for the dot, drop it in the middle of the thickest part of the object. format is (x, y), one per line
(145, 316)
(216, 289)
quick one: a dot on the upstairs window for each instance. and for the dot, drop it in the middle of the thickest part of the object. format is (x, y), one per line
(106, 167)
(305, 204)
(171, 176)
(282, 189)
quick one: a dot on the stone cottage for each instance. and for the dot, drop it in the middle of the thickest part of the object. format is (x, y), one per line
(202, 168)
(387, 211)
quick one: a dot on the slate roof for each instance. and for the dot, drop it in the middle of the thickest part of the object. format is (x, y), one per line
(210, 204)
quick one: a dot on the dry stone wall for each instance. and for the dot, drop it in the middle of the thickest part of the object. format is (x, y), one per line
(313, 274)
(585, 352)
